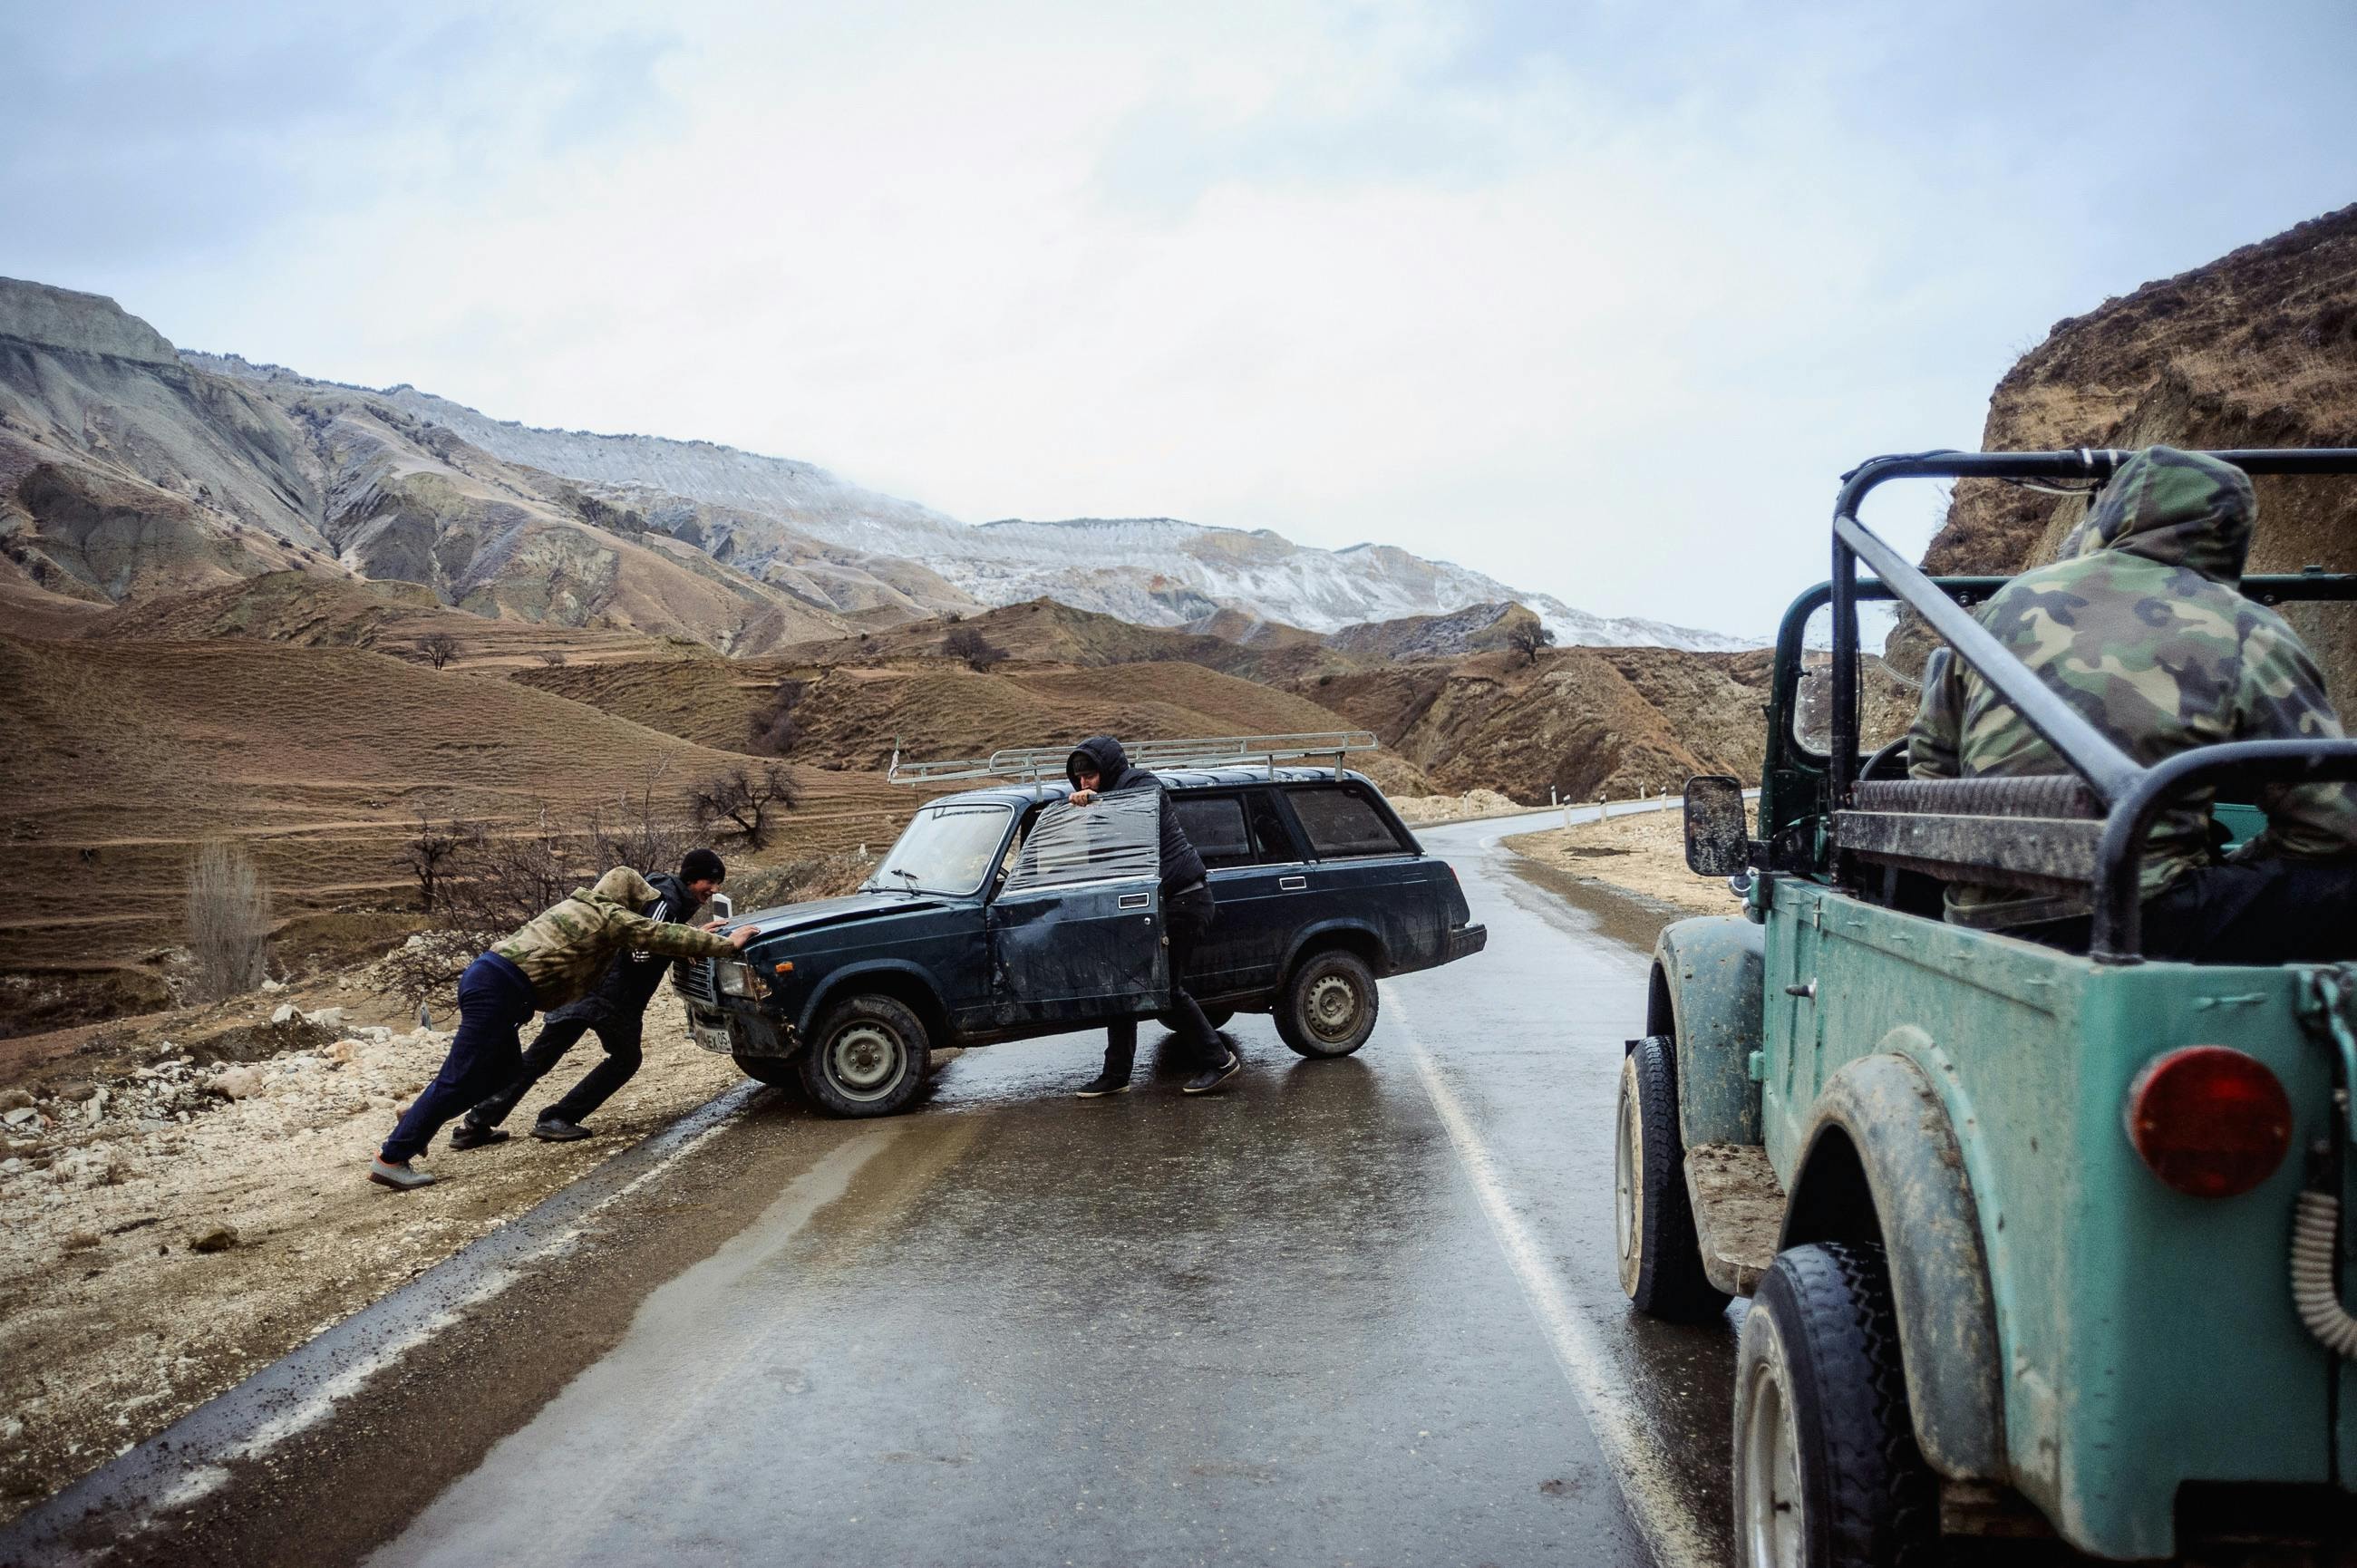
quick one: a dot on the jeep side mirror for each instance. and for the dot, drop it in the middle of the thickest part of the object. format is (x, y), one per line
(1716, 834)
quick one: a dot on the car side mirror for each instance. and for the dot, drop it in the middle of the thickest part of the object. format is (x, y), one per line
(723, 906)
(1716, 834)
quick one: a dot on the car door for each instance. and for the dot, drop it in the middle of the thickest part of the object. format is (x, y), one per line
(1359, 865)
(1255, 870)
(1076, 931)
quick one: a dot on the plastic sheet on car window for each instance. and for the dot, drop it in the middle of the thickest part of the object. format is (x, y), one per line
(1115, 837)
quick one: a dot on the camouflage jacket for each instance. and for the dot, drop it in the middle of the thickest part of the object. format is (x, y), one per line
(564, 950)
(2140, 623)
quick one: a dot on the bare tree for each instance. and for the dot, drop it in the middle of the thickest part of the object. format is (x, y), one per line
(745, 798)
(439, 648)
(432, 856)
(229, 921)
(1527, 637)
(968, 643)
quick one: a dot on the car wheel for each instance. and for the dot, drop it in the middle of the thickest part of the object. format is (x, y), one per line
(868, 1058)
(784, 1072)
(1827, 1474)
(1328, 1006)
(1661, 1257)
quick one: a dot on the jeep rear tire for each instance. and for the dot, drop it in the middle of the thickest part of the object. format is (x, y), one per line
(1328, 1007)
(868, 1058)
(1826, 1471)
(1661, 1257)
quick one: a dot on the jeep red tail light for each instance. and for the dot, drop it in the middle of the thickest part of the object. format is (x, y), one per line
(2210, 1120)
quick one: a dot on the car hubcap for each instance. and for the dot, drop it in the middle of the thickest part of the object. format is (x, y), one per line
(866, 1060)
(1333, 1007)
(1770, 1501)
(1626, 1157)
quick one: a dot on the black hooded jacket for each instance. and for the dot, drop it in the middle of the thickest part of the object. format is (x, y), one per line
(1181, 866)
(629, 982)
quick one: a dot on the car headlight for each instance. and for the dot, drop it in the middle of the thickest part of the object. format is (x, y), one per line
(737, 979)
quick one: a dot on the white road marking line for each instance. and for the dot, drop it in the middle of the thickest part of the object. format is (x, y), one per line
(321, 1401)
(1630, 1448)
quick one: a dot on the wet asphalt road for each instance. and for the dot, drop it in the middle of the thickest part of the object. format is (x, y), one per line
(1355, 1312)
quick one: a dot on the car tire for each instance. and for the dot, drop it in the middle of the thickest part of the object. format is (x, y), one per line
(1661, 1256)
(1826, 1470)
(1328, 1005)
(868, 1058)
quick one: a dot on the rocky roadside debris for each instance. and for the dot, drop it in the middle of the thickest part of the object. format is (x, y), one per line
(1643, 852)
(176, 1224)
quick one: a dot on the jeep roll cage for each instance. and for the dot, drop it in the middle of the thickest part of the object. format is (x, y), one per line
(2087, 830)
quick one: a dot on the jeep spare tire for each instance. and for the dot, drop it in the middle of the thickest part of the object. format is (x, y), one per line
(868, 1058)
(1328, 1007)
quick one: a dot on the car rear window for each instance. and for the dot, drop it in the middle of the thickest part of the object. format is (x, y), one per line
(1342, 821)
(1214, 824)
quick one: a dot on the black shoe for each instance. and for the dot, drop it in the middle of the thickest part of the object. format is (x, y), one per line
(468, 1135)
(1210, 1077)
(549, 1130)
(1097, 1087)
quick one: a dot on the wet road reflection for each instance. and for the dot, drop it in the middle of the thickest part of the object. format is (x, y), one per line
(1276, 1324)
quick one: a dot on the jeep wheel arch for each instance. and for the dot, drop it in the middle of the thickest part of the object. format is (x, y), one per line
(1706, 991)
(1881, 1165)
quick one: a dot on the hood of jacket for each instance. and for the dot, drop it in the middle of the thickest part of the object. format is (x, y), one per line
(1103, 753)
(2181, 508)
(621, 886)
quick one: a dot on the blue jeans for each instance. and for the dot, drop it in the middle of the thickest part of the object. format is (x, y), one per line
(495, 1001)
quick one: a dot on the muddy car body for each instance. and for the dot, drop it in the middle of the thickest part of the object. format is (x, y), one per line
(2037, 1243)
(967, 935)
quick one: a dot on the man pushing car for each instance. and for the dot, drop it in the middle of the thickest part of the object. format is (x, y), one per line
(555, 958)
(1099, 766)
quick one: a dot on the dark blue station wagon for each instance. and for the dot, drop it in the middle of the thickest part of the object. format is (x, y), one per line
(984, 923)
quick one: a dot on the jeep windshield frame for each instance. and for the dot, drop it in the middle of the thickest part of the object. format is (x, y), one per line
(2129, 797)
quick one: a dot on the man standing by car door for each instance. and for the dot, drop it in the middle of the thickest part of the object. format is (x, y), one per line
(616, 1010)
(1099, 766)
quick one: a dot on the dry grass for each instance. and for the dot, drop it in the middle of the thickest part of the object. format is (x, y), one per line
(1643, 853)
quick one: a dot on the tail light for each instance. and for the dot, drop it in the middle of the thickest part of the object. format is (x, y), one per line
(2210, 1120)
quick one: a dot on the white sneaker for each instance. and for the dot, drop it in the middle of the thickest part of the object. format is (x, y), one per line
(401, 1178)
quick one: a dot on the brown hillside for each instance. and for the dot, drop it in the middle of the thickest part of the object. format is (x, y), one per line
(2258, 348)
(1582, 721)
(319, 610)
(124, 755)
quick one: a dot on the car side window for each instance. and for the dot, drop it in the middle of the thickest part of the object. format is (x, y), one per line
(1271, 838)
(1215, 825)
(1341, 823)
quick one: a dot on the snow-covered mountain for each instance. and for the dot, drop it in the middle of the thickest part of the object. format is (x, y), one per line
(763, 515)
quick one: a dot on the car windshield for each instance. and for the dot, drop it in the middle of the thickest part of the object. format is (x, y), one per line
(947, 849)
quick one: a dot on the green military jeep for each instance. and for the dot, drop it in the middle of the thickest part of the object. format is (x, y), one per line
(2037, 1244)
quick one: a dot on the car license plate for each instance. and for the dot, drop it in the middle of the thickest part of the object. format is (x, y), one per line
(713, 1037)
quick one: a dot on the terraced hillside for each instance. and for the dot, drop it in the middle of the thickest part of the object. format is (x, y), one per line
(124, 755)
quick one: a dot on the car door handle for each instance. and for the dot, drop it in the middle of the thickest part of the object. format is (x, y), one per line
(1134, 900)
(1291, 883)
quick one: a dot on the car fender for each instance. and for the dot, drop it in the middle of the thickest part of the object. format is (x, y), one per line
(1706, 989)
(864, 974)
(1361, 934)
(1880, 1161)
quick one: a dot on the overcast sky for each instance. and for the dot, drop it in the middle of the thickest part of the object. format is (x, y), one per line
(1597, 298)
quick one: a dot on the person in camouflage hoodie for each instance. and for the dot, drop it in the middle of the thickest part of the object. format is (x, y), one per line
(2140, 623)
(555, 958)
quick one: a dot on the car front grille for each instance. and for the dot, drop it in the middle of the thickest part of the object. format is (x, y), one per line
(694, 979)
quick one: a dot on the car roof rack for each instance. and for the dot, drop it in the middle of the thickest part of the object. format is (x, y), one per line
(1045, 764)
